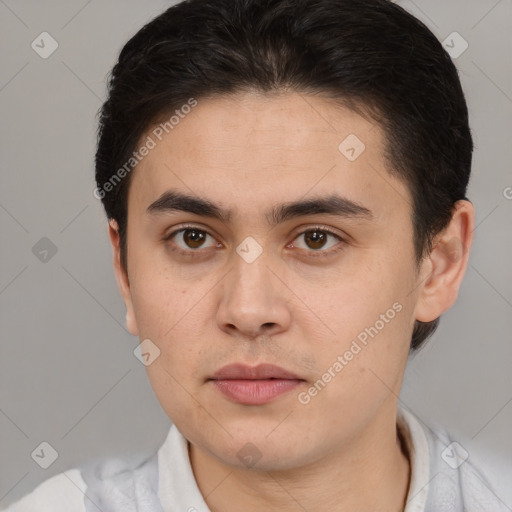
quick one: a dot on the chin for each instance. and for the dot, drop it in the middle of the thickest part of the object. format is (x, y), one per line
(263, 452)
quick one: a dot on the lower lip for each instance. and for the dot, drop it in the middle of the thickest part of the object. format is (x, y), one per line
(255, 392)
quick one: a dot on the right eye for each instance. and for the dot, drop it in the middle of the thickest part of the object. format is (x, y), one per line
(190, 239)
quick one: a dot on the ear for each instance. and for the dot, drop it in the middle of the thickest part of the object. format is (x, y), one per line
(443, 269)
(122, 277)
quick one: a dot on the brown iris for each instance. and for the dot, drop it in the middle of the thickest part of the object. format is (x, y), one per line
(194, 238)
(315, 239)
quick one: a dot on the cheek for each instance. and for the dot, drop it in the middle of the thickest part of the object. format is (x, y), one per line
(369, 313)
(175, 314)
(352, 298)
(175, 393)
(170, 317)
(359, 373)
(160, 298)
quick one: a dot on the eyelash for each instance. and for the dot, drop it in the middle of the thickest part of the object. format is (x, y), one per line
(315, 254)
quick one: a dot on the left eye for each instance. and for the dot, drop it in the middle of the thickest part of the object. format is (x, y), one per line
(316, 239)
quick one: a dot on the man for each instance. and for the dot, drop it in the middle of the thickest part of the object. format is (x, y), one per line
(285, 184)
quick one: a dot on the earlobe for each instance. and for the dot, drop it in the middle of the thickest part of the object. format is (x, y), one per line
(444, 268)
(122, 277)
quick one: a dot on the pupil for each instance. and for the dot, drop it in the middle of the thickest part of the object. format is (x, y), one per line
(315, 239)
(193, 238)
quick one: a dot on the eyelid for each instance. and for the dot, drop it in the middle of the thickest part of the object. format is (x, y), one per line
(320, 227)
(184, 227)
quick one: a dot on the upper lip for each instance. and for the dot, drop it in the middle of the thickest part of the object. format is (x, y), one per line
(261, 371)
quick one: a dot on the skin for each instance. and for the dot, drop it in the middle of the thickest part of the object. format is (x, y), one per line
(293, 306)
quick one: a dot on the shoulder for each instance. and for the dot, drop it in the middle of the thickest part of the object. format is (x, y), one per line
(113, 484)
(62, 493)
(451, 478)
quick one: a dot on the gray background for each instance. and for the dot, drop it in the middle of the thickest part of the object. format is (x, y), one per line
(68, 375)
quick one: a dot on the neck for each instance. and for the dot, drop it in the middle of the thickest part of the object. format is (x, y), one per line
(370, 473)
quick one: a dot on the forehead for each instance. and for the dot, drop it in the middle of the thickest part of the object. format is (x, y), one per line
(250, 149)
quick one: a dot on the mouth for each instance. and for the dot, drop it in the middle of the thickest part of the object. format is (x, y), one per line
(256, 385)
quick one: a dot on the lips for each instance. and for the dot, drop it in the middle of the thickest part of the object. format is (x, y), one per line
(256, 385)
(260, 372)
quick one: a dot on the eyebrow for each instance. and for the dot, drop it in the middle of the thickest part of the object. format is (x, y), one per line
(333, 204)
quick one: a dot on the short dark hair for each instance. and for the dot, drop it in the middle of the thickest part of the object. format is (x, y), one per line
(370, 55)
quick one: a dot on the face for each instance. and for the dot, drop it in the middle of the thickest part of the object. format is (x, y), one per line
(293, 248)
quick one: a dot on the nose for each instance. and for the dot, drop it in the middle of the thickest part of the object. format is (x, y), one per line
(253, 300)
